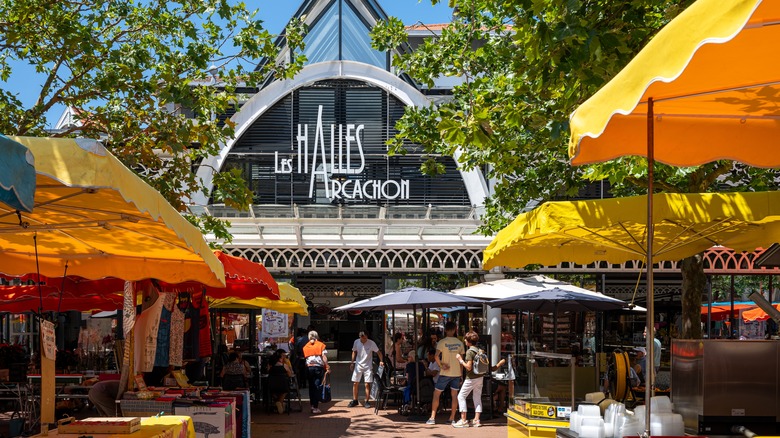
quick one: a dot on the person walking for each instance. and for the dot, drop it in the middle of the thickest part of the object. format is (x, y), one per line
(449, 377)
(361, 365)
(299, 365)
(317, 368)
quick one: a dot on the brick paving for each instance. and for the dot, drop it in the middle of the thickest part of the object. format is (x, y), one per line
(337, 420)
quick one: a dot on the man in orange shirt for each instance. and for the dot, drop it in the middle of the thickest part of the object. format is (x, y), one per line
(317, 368)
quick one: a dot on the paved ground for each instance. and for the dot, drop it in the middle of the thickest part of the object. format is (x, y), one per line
(337, 420)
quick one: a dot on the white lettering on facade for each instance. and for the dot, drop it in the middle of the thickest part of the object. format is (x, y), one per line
(342, 155)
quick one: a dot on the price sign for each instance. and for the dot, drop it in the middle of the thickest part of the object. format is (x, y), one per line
(48, 340)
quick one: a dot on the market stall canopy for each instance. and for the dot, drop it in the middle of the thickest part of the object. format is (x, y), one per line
(96, 216)
(721, 311)
(757, 314)
(290, 301)
(244, 279)
(508, 287)
(555, 299)
(410, 298)
(714, 87)
(614, 230)
(28, 301)
(17, 175)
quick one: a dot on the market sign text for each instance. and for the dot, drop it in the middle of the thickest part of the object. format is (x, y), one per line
(346, 158)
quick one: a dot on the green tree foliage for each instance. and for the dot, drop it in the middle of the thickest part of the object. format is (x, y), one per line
(130, 70)
(527, 65)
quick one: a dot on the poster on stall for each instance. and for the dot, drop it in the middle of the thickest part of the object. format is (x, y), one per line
(48, 339)
(274, 324)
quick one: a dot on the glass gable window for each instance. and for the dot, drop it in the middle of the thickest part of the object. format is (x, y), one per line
(357, 42)
(322, 41)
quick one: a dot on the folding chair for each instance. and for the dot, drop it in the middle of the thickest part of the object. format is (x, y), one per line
(386, 389)
(293, 396)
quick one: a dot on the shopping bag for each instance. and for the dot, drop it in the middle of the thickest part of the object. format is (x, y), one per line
(325, 396)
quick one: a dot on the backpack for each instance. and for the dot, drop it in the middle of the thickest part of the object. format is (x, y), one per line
(480, 365)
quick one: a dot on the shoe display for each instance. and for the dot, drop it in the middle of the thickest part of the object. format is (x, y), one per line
(460, 423)
(352, 404)
(430, 421)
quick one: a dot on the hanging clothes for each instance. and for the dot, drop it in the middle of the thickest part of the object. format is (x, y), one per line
(191, 331)
(176, 350)
(164, 331)
(146, 327)
(204, 332)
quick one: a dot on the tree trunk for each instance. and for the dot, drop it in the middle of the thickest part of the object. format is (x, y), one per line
(694, 283)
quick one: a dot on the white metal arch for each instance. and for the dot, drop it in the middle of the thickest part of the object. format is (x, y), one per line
(266, 98)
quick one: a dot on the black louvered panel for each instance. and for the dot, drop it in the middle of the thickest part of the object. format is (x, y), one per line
(366, 106)
(445, 189)
(271, 132)
(397, 109)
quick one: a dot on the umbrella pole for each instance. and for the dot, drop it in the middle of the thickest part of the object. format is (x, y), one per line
(416, 368)
(650, 324)
(555, 328)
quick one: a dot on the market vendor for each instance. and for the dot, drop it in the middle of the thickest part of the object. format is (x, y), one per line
(103, 397)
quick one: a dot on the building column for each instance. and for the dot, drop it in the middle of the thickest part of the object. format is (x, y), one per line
(493, 320)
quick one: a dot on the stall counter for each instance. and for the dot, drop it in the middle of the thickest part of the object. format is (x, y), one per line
(532, 419)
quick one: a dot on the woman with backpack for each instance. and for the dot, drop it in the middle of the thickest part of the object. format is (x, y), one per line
(476, 365)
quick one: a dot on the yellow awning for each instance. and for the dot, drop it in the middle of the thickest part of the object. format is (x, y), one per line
(290, 301)
(714, 81)
(614, 230)
(99, 219)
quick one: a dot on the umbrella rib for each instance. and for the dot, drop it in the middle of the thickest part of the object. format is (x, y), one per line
(51, 201)
(609, 242)
(701, 234)
(657, 100)
(62, 226)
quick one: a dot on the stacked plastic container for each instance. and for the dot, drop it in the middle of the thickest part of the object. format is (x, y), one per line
(618, 422)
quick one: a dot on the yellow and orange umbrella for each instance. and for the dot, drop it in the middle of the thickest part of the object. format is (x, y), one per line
(713, 83)
(95, 216)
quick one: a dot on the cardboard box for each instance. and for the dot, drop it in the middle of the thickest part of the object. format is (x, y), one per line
(212, 421)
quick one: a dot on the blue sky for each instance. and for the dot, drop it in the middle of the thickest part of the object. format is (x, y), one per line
(275, 15)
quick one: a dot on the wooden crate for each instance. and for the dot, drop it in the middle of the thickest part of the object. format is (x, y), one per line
(95, 425)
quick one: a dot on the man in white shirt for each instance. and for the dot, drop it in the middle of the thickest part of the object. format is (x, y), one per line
(433, 367)
(362, 355)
